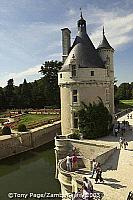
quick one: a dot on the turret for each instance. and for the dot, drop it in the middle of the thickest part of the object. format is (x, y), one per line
(105, 51)
(81, 24)
(66, 42)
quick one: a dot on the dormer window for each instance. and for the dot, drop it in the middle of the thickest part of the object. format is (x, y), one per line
(74, 70)
(92, 73)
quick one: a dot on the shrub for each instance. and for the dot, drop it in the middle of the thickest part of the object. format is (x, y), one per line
(22, 128)
(75, 135)
(26, 112)
(49, 121)
(6, 130)
(19, 112)
(94, 120)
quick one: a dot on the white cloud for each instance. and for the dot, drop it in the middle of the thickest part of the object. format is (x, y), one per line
(30, 74)
(118, 25)
(41, 40)
(118, 29)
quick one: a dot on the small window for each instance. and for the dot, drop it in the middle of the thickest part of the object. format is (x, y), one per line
(92, 73)
(73, 70)
(75, 99)
(75, 120)
(60, 75)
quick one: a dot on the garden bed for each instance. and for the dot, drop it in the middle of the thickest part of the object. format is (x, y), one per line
(34, 120)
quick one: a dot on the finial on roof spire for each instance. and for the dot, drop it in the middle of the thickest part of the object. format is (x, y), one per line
(81, 14)
(103, 30)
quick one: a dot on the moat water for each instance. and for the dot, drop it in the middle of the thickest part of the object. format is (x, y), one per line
(29, 172)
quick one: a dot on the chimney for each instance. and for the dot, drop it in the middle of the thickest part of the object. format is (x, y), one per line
(66, 42)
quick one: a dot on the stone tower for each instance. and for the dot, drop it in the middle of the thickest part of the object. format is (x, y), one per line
(87, 73)
(106, 52)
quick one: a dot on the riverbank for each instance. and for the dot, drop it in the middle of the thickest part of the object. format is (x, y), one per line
(20, 142)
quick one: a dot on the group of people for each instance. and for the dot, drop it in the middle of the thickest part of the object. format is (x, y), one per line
(120, 128)
(96, 168)
(71, 162)
(123, 143)
(129, 116)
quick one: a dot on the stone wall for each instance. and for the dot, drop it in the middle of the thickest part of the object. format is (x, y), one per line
(87, 150)
(10, 145)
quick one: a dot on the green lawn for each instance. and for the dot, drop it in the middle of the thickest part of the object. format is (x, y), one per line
(33, 120)
(126, 103)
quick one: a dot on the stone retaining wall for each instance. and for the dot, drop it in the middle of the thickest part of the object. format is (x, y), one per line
(84, 148)
(10, 145)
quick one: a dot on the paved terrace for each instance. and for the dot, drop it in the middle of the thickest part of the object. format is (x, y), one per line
(118, 171)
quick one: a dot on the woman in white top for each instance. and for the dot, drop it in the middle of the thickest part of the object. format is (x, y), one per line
(68, 163)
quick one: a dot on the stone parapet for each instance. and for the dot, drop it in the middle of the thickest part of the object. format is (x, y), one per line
(20, 142)
(72, 181)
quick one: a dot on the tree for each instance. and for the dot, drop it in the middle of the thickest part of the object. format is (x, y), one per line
(26, 98)
(94, 120)
(9, 94)
(124, 91)
(50, 71)
(38, 94)
(2, 98)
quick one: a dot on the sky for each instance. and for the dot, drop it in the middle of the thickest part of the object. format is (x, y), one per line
(30, 34)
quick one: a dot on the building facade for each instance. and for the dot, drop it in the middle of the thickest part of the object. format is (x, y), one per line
(86, 75)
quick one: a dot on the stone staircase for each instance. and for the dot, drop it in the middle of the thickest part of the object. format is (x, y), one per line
(118, 175)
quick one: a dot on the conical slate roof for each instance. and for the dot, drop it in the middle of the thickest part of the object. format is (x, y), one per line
(104, 44)
(83, 50)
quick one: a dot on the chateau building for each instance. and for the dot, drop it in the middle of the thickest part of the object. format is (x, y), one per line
(86, 75)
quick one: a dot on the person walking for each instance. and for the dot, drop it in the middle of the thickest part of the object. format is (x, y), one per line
(116, 132)
(99, 175)
(87, 183)
(125, 144)
(118, 126)
(87, 189)
(68, 163)
(121, 142)
(94, 167)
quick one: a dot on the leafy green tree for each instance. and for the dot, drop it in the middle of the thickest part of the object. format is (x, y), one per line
(124, 91)
(94, 120)
(26, 97)
(9, 94)
(38, 94)
(2, 98)
(50, 71)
